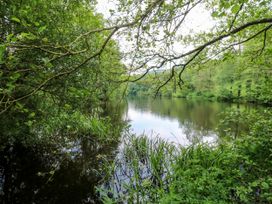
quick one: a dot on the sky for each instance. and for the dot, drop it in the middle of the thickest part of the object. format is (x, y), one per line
(198, 20)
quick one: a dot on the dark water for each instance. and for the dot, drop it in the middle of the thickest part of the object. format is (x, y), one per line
(69, 171)
(46, 175)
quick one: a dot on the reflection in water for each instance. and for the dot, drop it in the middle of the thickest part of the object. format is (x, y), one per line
(177, 120)
(62, 168)
(51, 175)
(68, 168)
(167, 128)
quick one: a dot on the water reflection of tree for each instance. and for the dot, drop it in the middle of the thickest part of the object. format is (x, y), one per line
(52, 174)
(60, 168)
(202, 114)
(195, 135)
(203, 117)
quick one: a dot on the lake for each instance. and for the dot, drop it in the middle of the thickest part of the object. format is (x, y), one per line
(179, 121)
(69, 169)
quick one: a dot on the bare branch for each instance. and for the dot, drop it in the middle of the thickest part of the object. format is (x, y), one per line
(264, 43)
(166, 82)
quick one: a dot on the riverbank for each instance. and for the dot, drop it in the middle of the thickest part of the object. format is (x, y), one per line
(230, 99)
(153, 171)
(207, 96)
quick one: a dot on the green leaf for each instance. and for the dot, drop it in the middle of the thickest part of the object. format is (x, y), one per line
(215, 14)
(265, 185)
(41, 29)
(37, 24)
(2, 52)
(27, 36)
(45, 40)
(31, 115)
(9, 37)
(226, 5)
(15, 19)
(15, 76)
(235, 8)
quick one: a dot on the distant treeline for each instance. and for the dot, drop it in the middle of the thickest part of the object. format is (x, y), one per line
(242, 75)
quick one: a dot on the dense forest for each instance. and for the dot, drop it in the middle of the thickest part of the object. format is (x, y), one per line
(67, 69)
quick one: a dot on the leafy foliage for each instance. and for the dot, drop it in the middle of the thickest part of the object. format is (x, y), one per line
(49, 77)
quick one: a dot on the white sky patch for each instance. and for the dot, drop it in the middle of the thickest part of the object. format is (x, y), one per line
(104, 6)
(199, 19)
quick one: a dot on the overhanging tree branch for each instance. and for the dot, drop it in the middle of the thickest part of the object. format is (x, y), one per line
(164, 60)
(199, 49)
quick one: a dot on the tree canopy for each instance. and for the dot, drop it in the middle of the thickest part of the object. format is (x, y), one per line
(40, 56)
(45, 43)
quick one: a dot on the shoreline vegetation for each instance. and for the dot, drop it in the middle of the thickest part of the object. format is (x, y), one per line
(155, 171)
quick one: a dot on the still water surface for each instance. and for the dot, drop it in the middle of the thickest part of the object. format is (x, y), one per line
(178, 121)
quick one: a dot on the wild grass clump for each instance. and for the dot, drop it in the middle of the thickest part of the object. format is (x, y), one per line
(141, 171)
